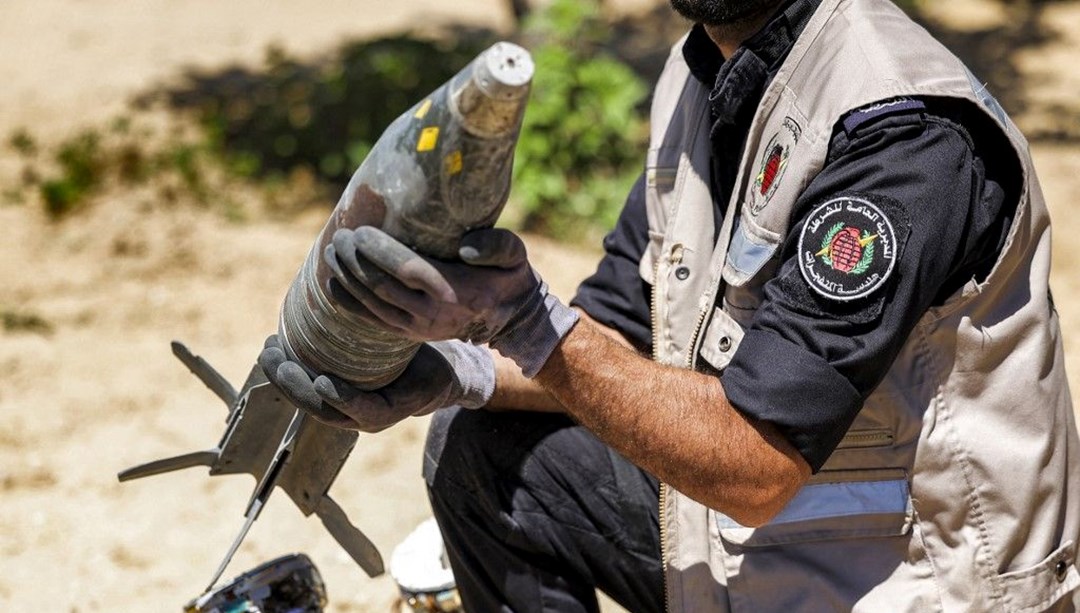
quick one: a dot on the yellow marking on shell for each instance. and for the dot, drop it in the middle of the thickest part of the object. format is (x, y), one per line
(425, 106)
(429, 137)
(453, 163)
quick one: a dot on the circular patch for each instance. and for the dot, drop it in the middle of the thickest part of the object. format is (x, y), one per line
(774, 161)
(847, 249)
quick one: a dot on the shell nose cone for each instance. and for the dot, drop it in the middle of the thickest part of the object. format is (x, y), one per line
(505, 71)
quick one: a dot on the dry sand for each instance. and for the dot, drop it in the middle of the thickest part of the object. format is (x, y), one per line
(101, 391)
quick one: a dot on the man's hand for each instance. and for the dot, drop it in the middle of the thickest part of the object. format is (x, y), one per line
(441, 374)
(492, 296)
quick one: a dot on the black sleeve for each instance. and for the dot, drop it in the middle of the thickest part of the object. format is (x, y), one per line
(615, 295)
(809, 361)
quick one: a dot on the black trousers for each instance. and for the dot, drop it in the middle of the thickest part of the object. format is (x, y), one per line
(537, 514)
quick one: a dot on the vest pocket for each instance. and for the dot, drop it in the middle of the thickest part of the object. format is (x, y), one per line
(661, 172)
(839, 505)
(1039, 587)
(748, 252)
(751, 261)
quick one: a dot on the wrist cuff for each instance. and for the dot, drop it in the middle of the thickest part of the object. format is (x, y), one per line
(474, 372)
(535, 332)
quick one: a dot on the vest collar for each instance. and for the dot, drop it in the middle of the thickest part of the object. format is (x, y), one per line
(770, 45)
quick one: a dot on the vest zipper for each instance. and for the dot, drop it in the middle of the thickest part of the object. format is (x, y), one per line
(702, 314)
(663, 543)
(663, 487)
(653, 313)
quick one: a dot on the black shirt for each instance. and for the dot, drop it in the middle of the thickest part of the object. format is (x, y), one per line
(806, 365)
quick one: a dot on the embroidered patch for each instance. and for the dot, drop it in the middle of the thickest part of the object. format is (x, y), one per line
(773, 164)
(847, 249)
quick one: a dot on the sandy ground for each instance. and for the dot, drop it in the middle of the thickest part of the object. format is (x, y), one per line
(100, 391)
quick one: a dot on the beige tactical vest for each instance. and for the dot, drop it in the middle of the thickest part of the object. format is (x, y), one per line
(954, 489)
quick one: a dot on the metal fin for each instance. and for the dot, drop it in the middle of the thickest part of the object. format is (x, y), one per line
(252, 515)
(157, 467)
(356, 543)
(266, 437)
(206, 373)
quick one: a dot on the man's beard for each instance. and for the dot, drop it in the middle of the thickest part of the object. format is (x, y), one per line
(720, 12)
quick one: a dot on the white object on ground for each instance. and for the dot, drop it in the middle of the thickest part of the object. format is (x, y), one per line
(419, 563)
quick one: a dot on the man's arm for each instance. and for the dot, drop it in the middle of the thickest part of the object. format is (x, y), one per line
(675, 423)
(514, 392)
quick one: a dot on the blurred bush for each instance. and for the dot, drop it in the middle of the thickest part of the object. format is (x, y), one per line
(324, 115)
(584, 136)
(67, 174)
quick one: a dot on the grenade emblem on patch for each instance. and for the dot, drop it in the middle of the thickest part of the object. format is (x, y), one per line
(846, 249)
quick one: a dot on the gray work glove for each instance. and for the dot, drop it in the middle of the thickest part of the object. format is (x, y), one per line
(440, 375)
(491, 296)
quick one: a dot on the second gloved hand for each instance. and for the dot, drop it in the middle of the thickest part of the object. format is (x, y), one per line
(492, 295)
(440, 375)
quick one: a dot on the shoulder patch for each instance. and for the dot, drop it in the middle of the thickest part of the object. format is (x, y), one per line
(848, 247)
(860, 117)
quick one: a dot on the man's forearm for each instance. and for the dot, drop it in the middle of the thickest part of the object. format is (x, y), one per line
(676, 424)
(514, 392)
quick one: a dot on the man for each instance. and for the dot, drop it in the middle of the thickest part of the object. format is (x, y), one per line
(838, 259)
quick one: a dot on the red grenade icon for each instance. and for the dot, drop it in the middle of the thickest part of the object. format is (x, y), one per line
(846, 249)
(772, 168)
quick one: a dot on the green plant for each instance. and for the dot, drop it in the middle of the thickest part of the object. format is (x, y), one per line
(81, 168)
(78, 167)
(584, 132)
